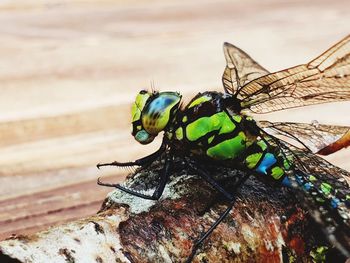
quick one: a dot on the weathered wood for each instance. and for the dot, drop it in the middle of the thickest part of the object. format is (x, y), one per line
(69, 69)
(266, 225)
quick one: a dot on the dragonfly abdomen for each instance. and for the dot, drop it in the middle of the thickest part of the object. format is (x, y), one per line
(266, 161)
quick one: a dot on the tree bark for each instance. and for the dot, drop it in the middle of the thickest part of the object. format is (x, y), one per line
(266, 224)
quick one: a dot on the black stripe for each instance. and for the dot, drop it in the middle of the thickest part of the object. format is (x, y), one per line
(206, 108)
(134, 126)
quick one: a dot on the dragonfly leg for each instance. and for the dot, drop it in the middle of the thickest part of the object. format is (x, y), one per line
(160, 187)
(209, 231)
(210, 180)
(139, 162)
(228, 195)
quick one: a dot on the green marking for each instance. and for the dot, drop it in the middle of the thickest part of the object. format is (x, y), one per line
(312, 178)
(320, 200)
(237, 118)
(277, 172)
(292, 259)
(199, 101)
(202, 126)
(286, 164)
(253, 159)
(347, 197)
(319, 254)
(138, 106)
(210, 139)
(228, 149)
(179, 134)
(326, 188)
(227, 127)
(169, 135)
(262, 145)
(184, 119)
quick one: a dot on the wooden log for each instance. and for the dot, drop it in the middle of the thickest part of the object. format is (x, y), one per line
(177, 44)
(267, 224)
(69, 70)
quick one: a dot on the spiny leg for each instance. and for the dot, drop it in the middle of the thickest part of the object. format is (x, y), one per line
(209, 231)
(160, 187)
(139, 162)
(164, 177)
(228, 195)
(210, 180)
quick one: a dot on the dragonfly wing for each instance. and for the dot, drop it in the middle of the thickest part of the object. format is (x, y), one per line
(325, 193)
(240, 69)
(318, 138)
(324, 79)
(322, 188)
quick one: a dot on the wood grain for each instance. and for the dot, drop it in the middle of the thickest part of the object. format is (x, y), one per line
(69, 70)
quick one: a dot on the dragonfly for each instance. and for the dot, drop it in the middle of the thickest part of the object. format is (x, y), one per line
(218, 127)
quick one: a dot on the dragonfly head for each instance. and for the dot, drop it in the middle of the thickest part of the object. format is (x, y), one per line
(152, 112)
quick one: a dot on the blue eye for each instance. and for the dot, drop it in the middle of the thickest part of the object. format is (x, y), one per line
(159, 105)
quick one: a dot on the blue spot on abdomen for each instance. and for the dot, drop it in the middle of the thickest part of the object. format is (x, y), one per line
(267, 162)
(286, 182)
(307, 186)
(334, 202)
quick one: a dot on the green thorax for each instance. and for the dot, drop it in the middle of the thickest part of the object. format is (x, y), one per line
(205, 126)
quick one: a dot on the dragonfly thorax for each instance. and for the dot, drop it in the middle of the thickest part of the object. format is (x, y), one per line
(207, 127)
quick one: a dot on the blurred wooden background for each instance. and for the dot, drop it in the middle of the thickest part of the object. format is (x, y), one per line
(70, 69)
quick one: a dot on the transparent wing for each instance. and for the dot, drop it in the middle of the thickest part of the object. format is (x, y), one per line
(318, 138)
(324, 192)
(324, 79)
(322, 188)
(240, 69)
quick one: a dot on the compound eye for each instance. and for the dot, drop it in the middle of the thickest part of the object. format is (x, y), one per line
(157, 113)
(138, 105)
